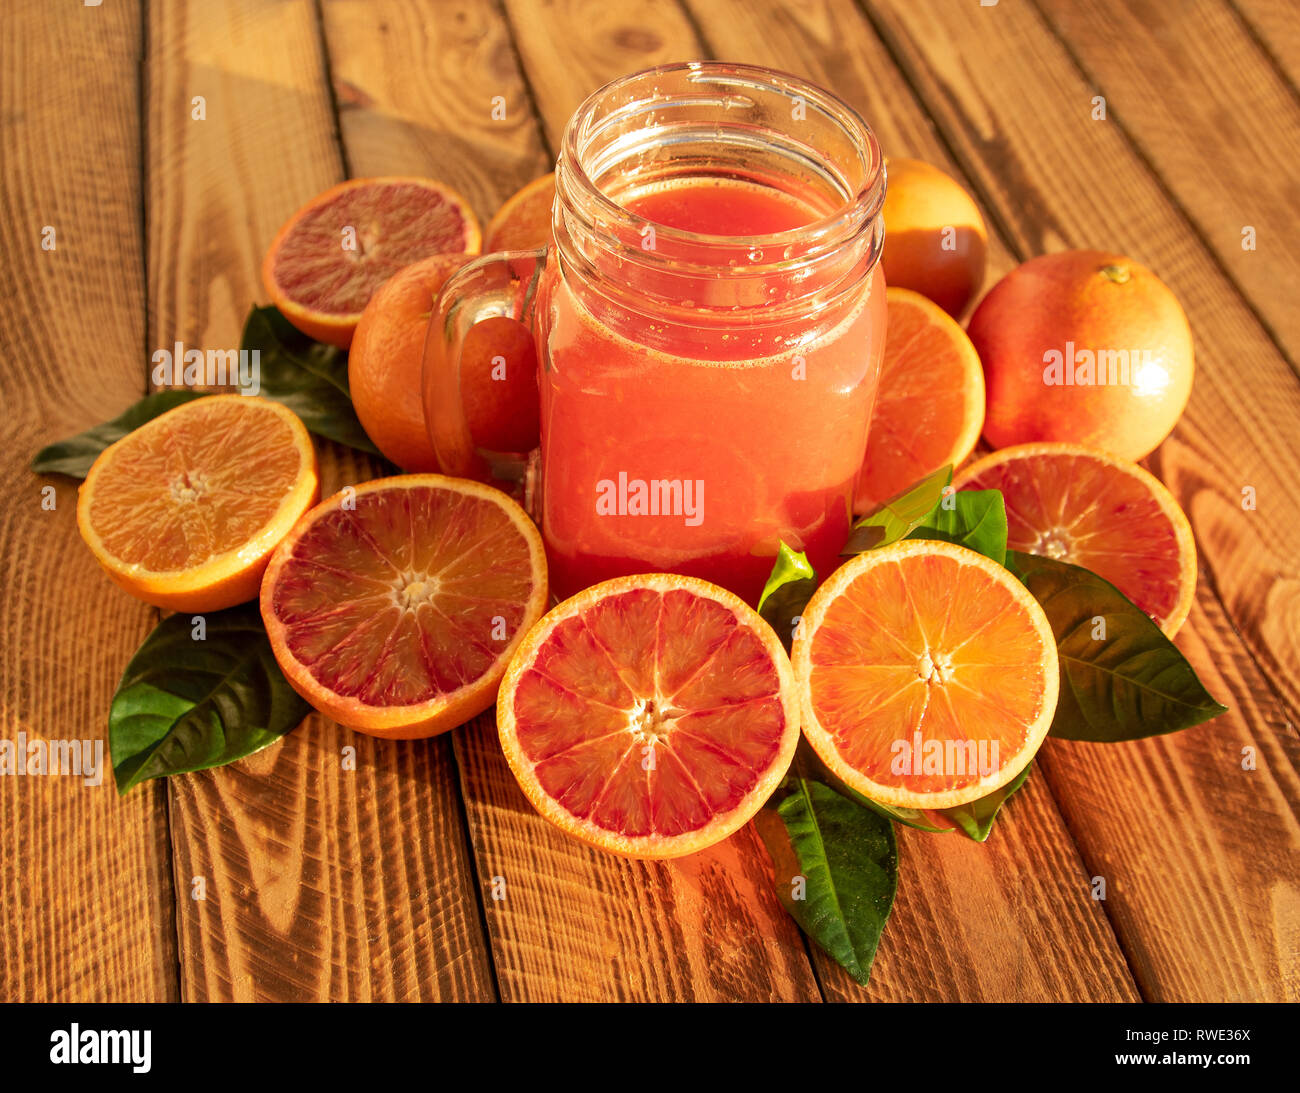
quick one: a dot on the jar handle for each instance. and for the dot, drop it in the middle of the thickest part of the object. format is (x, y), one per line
(494, 285)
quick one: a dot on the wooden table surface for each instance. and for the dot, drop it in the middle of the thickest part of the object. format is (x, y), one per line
(326, 883)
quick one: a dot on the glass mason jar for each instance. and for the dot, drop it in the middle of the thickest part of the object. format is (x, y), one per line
(709, 318)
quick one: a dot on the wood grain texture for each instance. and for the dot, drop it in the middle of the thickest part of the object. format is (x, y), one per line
(1215, 121)
(574, 923)
(219, 188)
(1041, 163)
(1200, 855)
(1016, 112)
(420, 94)
(324, 883)
(569, 48)
(85, 890)
(827, 42)
(577, 924)
(371, 883)
(1026, 881)
(321, 882)
(1007, 920)
(1275, 24)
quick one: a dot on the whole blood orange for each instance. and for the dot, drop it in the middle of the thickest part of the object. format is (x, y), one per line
(1085, 347)
(651, 716)
(498, 371)
(184, 511)
(928, 675)
(329, 257)
(1095, 511)
(498, 385)
(386, 356)
(395, 606)
(935, 239)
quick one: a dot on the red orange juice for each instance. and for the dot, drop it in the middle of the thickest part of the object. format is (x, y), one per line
(697, 448)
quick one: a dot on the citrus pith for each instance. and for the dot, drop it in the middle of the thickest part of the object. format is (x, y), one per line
(394, 606)
(524, 221)
(929, 407)
(330, 256)
(650, 716)
(1100, 512)
(927, 674)
(184, 511)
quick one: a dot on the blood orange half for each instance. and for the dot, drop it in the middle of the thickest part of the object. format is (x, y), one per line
(650, 716)
(929, 406)
(524, 221)
(927, 674)
(329, 257)
(395, 606)
(185, 511)
(1100, 512)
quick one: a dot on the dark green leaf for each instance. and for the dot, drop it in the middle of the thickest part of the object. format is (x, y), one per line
(976, 519)
(74, 455)
(787, 592)
(1121, 678)
(976, 818)
(306, 376)
(849, 861)
(893, 519)
(185, 704)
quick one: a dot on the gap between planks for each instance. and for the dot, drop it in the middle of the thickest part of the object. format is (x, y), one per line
(1191, 222)
(1260, 671)
(989, 203)
(1000, 236)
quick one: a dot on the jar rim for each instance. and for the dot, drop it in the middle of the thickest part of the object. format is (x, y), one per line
(861, 207)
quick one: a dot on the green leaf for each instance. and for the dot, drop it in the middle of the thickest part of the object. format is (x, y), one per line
(74, 455)
(849, 861)
(895, 518)
(185, 704)
(787, 592)
(306, 376)
(976, 519)
(1121, 678)
(976, 818)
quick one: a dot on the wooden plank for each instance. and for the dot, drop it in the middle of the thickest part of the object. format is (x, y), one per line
(1275, 24)
(570, 47)
(85, 878)
(1027, 881)
(1008, 920)
(417, 93)
(1215, 121)
(577, 924)
(1058, 179)
(1004, 93)
(1201, 856)
(322, 882)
